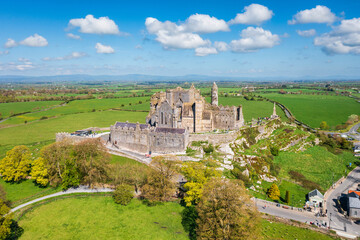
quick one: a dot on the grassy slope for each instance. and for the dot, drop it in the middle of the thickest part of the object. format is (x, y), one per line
(115, 159)
(316, 164)
(312, 109)
(19, 107)
(101, 218)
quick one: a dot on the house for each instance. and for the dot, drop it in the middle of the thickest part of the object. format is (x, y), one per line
(353, 205)
(316, 198)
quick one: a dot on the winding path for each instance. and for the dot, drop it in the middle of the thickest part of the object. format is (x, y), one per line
(80, 189)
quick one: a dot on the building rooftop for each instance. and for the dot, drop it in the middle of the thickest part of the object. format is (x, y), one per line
(130, 125)
(170, 130)
(354, 202)
(314, 193)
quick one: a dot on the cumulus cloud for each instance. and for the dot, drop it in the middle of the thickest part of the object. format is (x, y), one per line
(73, 36)
(202, 23)
(319, 14)
(221, 46)
(10, 43)
(34, 41)
(4, 52)
(306, 33)
(103, 48)
(173, 36)
(253, 14)
(253, 39)
(344, 39)
(89, 24)
(73, 55)
(204, 51)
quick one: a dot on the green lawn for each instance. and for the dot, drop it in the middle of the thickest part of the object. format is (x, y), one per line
(115, 159)
(19, 107)
(275, 230)
(313, 109)
(316, 164)
(100, 218)
(17, 192)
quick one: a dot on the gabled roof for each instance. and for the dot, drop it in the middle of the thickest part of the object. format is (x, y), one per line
(314, 193)
(170, 130)
(354, 202)
(130, 125)
(353, 194)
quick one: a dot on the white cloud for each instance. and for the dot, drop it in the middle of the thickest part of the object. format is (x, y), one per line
(73, 55)
(73, 36)
(4, 52)
(10, 43)
(34, 41)
(306, 33)
(319, 14)
(344, 39)
(89, 24)
(173, 36)
(221, 46)
(253, 39)
(253, 14)
(138, 46)
(103, 48)
(204, 51)
(202, 23)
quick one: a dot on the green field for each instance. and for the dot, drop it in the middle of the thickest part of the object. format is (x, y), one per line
(115, 159)
(251, 109)
(99, 217)
(20, 107)
(316, 164)
(313, 109)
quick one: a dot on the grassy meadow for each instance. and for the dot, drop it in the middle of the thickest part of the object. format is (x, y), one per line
(6, 109)
(313, 109)
(98, 217)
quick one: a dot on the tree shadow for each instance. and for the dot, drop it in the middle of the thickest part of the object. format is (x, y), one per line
(189, 216)
(15, 232)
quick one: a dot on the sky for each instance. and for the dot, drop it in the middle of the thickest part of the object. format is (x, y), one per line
(173, 38)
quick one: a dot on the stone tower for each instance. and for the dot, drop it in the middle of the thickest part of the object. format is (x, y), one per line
(274, 115)
(214, 95)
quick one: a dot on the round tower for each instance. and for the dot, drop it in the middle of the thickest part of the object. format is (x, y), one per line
(214, 95)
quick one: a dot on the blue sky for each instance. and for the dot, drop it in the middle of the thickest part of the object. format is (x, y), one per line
(218, 38)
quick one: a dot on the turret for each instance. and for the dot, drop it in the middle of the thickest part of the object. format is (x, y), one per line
(214, 95)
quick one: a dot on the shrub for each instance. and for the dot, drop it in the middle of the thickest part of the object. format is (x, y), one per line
(123, 194)
(43, 118)
(208, 149)
(274, 150)
(274, 192)
(310, 185)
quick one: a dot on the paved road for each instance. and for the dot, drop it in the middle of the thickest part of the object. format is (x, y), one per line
(338, 221)
(80, 189)
(295, 214)
(353, 132)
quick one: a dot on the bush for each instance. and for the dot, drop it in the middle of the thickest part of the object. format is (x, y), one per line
(208, 149)
(274, 150)
(43, 118)
(123, 194)
(310, 185)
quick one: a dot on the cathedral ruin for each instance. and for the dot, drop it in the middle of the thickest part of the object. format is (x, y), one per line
(186, 108)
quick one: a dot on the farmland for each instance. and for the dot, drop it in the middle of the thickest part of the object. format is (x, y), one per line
(313, 109)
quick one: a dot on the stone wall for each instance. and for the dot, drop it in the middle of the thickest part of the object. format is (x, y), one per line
(214, 138)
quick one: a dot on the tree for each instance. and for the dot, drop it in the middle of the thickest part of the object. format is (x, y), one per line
(59, 161)
(160, 185)
(226, 211)
(324, 125)
(16, 165)
(287, 197)
(274, 150)
(131, 174)
(196, 175)
(123, 194)
(92, 160)
(39, 172)
(5, 220)
(273, 192)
